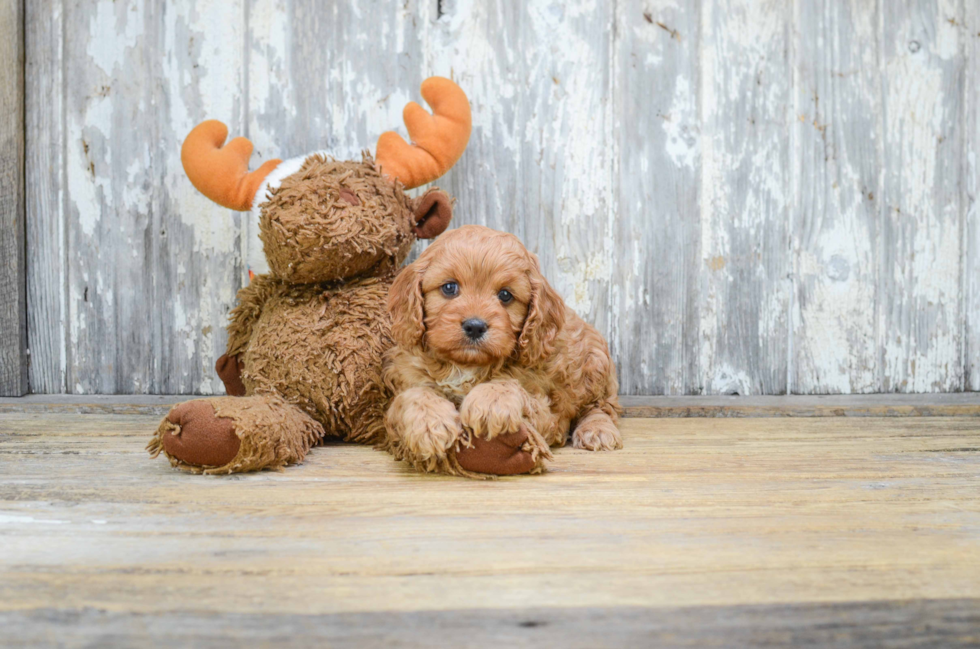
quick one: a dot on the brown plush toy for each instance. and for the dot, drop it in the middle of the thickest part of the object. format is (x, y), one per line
(305, 342)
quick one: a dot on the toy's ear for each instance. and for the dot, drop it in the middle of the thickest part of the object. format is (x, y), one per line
(433, 211)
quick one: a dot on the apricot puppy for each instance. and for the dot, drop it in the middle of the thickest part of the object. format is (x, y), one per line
(490, 367)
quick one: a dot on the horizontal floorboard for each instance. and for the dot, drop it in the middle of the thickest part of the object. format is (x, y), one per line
(856, 625)
(700, 532)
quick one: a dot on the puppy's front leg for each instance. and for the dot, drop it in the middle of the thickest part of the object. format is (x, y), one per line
(501, 430)
(423, 428)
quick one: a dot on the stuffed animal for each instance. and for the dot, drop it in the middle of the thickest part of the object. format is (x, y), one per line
(305, 342)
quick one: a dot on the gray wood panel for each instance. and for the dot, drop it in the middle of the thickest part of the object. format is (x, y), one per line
(750, 197)
(746, 192)
(837, 135)
(655, 286)
(151, 267)
(971, 192)
(46, 223)
(919, 300)
(13, 274)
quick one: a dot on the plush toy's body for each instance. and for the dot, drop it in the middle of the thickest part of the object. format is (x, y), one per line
(307, 338)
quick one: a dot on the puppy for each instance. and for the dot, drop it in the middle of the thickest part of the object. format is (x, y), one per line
(490, 367)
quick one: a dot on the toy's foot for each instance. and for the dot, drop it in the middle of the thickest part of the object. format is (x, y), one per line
(235, 434)
(505, 454)
(597, 432)
(229, 369)
(198, 437)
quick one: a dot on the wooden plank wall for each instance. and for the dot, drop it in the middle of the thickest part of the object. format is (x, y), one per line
(746, 196)
(13, 287)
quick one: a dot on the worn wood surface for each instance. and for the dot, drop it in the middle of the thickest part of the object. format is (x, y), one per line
(13, 271)
(47, 233)
(971, 192)
(780, 528)
(911, 624)
(955, 404)
(745, 197)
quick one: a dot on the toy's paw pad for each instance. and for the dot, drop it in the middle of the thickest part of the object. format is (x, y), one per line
(229, 370)
(506, 454)
(200, 437)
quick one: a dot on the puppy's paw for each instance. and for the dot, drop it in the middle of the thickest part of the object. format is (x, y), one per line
(505, 454)
(597, 432)
(431, 437)
(423, 428)
(494, 408)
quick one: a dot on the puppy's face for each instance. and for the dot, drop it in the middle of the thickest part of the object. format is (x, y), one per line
(476, 300)
(476, 297)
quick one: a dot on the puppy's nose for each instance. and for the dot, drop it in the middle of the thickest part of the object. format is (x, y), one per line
(474, 328)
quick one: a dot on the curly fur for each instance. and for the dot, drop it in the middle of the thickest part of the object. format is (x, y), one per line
(539, 366)
(312, 333)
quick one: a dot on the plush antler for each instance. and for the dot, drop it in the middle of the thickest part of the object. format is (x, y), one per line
(439, 139)
(221, 172)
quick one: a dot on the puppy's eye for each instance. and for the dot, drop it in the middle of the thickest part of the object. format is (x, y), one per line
(505, 296)
(450, 289)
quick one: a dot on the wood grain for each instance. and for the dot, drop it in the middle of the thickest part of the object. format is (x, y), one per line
(970, 194)
(13, 272)
(654, 296)
(859, 625)
(46, 218)
(152, 265)
(745, 197)
(919, 311)
(727, 513)
(746, 176)
(838, 140)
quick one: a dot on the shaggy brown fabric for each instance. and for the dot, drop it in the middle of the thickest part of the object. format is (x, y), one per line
(272, 434)
(229, 369)
(199, 437)
(312, 234)
(305, 343)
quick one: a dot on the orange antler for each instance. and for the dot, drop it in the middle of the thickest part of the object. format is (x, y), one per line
(439, 139)
(221, 172)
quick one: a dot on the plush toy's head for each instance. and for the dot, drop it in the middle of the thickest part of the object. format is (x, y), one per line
(320, 219)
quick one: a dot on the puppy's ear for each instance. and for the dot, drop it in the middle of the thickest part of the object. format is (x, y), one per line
(433, 211)
(405, 303)
(545, 318)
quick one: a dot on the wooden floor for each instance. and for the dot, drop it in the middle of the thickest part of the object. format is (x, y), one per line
(702, 532)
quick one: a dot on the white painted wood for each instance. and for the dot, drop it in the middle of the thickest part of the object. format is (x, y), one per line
(744, 196)
(543, 153)
(970, 207)
(152, 266)
(837, 196)
(746, 180)
(657, 268)
(919, 301)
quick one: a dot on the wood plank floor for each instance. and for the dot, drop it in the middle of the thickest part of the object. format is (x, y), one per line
(701, 532)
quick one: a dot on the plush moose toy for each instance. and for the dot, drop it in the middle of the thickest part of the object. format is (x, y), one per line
(305, 342)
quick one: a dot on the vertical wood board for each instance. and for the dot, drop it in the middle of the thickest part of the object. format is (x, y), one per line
(13, 273)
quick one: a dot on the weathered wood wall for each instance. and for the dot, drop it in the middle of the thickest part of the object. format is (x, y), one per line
(745, 196)
(13, 287)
